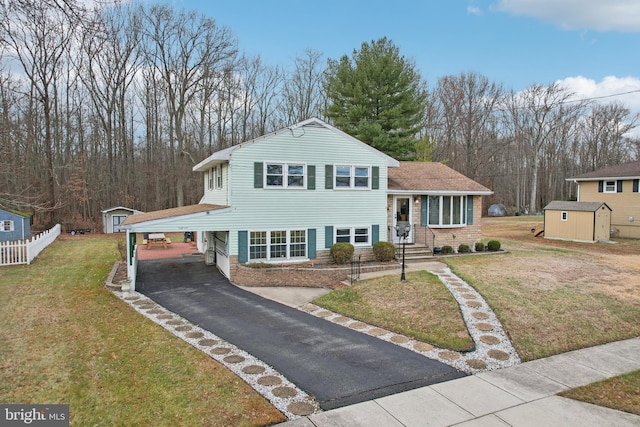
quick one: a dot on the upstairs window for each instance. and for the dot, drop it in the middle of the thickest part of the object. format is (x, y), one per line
(610, 187)
(284, 175)
(349, 176)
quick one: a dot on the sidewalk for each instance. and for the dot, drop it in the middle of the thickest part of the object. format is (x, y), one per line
(523, 395)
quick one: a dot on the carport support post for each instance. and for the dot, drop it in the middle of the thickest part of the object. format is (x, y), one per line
(130, 260)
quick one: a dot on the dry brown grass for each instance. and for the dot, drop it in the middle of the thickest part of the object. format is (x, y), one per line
(555, 296)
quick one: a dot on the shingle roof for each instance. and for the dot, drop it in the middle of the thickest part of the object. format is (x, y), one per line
(558, 205)
(432, 177)
(170, 213)
(625, 170)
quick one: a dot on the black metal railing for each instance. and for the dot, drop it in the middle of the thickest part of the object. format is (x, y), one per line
(355, 269)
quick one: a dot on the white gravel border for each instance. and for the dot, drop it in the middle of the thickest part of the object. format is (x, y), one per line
(281, 403)
(462, 292)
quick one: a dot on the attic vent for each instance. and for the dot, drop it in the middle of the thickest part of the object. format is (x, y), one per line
(314, 125)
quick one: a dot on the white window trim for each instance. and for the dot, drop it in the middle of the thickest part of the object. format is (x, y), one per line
(615, 187)
(463, 211)
(288, 258)
(352, 235)
(4, 228)
(352, 177)
(285, 176)
(564, 215)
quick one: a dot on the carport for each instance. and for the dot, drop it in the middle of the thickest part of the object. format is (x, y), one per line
(210, 223)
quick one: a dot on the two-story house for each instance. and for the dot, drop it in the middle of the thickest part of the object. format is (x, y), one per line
(617, 186)
(290, 195)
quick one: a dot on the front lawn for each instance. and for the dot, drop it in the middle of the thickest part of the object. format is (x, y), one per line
(421, 307)
(68, 340)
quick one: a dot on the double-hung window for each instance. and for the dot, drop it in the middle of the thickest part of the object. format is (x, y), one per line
(357, 236)
(349, 176)
(446, 211)
(610, 187)
(277, 245)
(285, 175)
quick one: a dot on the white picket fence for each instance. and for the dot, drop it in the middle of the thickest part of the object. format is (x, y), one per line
(25, 251)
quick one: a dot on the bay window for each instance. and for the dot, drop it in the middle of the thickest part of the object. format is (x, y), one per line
(443, 211)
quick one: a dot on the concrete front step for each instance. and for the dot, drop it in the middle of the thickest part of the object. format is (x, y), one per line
(414, 253)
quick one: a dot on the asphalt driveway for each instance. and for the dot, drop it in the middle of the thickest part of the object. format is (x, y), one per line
(336, 365)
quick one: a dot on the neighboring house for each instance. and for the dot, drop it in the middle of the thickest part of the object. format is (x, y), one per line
(113, 218)
(14, 225)
(290, 195)
(577, 221)
(443, 206)
(617, 186)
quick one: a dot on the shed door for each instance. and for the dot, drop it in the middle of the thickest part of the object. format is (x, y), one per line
(116, 221)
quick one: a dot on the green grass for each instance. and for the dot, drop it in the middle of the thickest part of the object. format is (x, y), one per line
(66, 339)
(421, 308)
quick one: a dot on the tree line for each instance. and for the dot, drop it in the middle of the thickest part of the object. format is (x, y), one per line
(114, 105)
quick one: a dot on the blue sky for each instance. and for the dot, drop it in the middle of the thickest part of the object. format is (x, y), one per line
(591, 46)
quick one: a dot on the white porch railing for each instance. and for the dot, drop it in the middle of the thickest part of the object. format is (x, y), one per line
(25, 251)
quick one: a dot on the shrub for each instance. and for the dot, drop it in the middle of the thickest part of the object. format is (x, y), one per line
(493, 245)
(447, 249)
(464, 249)
(479, 246)
(341, 252)
(384, 251)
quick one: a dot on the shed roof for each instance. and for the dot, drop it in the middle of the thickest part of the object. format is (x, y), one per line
(558, 205)
(118, 208)
(170, 213)
(626, 170)
(432, 177)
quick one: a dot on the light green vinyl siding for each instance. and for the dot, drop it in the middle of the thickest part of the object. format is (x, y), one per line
(263, 209)
(288, 209)
(217, 196)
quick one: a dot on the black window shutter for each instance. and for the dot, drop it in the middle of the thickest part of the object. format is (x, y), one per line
(257, 175)
(636, 184)
(600, 186)
(423, 211)
(328, 177)
(619, 186)
(328, 236)
(243, 242)
(375, 179)
(311, 177)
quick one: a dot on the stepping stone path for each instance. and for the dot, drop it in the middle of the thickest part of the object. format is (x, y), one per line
(493, 348)
(277, 389)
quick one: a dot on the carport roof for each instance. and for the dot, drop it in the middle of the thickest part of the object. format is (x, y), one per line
(170, 213)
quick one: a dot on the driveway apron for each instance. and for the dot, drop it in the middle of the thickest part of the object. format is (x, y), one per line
(336, 365)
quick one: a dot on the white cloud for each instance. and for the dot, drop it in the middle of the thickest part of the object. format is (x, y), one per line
(625, 90)
(600, 15)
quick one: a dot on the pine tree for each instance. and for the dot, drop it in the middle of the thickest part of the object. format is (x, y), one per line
(378, 97)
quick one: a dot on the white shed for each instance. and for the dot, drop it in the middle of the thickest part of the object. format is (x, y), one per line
(113, 217)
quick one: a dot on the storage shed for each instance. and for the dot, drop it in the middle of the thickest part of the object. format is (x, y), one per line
(577, 221)
(113, 217)
(14, 225)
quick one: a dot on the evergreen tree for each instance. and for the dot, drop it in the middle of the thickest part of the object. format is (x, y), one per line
(378, 97)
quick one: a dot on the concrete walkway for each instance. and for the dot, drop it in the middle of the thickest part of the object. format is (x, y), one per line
(520, 396)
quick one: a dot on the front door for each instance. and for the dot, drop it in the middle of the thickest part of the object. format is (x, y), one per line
(402, 218)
